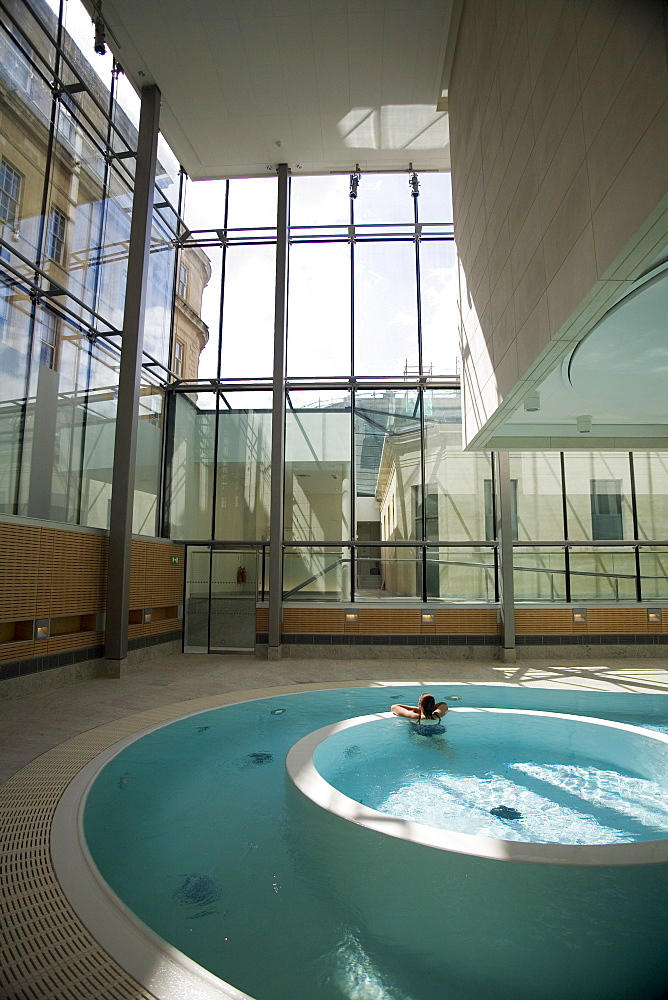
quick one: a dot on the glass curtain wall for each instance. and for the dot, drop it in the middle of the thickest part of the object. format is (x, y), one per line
(66, 182)
(380, 502)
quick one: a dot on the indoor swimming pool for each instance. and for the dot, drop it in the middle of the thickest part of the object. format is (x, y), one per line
(206, 844)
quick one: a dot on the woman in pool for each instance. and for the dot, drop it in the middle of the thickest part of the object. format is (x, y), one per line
(427, 711)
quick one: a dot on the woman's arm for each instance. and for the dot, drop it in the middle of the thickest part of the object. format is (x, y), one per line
(406, 711)
(440, 709)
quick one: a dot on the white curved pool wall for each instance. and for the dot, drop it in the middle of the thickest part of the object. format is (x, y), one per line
(514, 918)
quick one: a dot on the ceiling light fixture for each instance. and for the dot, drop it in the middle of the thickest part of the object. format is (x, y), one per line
(583, 424)
(532, 403)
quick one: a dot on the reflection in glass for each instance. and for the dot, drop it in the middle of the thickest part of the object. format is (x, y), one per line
(189, 502)
(598, 491)
(317, 573)
(539, 495)
(243, 471)
(400, 572)
(602, 574)
(654, 573)
(539, 574)
(317, 469)
(651, 483)
(389, 460)
(461, 574)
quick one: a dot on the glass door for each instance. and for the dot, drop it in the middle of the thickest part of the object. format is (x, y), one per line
(232, 607)
(219, 609)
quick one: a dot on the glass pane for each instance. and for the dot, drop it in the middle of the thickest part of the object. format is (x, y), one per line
(210, 306)
(317, 469)
(248, 312)
(388, 465)
(253, 203)
(233, 586)
(157, 320)
(99, 438)
(385, 309)
(539, 496)
(598, 490)
(461, 574)
(319, 310)
(243, 470)
(321, 574)
(654, 572)
(316, 201)
(602, 574)
(400, 572)
(384, 198)
(149, 459)
(440, 317)
(539, 575)
(435, 201)
(14, 335)
(115, 227)
(196, 608)
(456, 481)
(189, 495)
(651, 478)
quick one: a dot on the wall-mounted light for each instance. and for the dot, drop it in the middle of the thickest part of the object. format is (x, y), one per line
(352, 617)
(532, 403)
(654, 616)
(583, 424)
(147, 616)
(428, 617)
(42, 628)
(580, 617)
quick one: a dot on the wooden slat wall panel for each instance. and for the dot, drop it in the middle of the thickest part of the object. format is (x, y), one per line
(17, 651)
(164, 584)
(390, 621)
(20, 546)
(467, 621)
(313, 620)
(545, 621)
(154, 581)
(138, 563)
(262, 619)
(622, 620)
(384, 621)
(78, 573)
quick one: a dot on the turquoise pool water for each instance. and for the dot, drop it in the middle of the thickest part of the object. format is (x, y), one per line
(194, 827)
(510, 776)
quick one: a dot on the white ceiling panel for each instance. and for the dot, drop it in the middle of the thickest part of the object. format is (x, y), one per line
(337, 82)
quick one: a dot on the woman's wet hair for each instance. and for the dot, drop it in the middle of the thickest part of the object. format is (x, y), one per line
(426, 706)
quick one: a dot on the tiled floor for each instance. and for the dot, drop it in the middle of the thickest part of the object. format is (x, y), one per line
(45, 739)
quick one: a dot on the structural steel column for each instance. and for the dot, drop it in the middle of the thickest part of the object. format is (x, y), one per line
(278, 419)
(125, 445)
(504, 529)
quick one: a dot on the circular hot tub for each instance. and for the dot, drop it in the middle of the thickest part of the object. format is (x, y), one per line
(573, 814)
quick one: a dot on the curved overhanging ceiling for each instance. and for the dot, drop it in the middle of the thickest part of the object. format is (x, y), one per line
(611, 390)
(623, 362)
